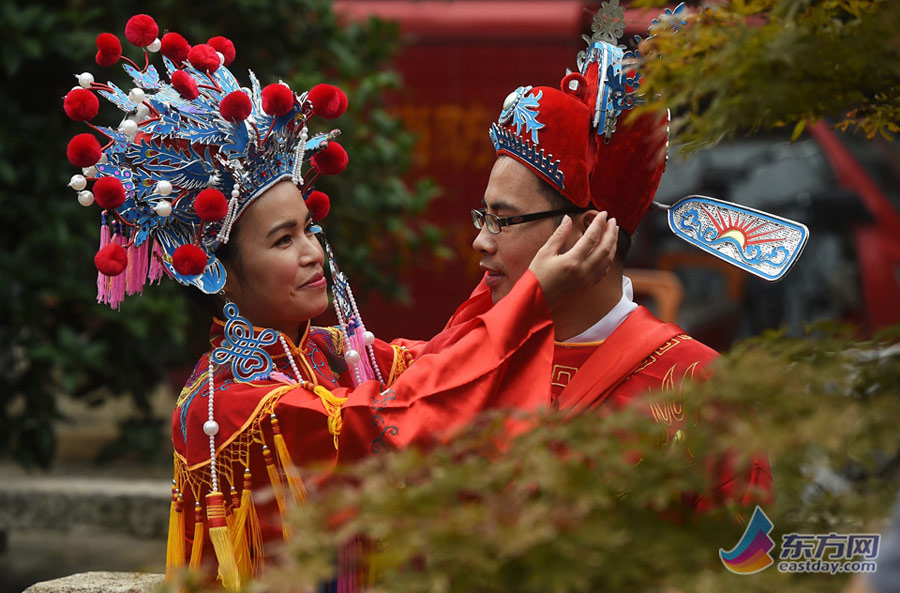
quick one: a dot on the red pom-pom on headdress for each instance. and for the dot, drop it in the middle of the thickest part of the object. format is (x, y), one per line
(189, 260)
(204, 58)
(318, 204)
(277, 99)
(211, 205)
(331, 160)
(111, 260)
(84, 150)
(328, 101)
(109, 193)
(175, 47)
(109, 49)
(141, 30)
(224, 46)
(81, 104)
(236, 106)
(185, 84)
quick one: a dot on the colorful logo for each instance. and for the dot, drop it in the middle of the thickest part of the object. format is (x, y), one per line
(751, 554)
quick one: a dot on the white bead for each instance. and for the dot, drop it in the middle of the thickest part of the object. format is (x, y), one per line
(89, 171)
(78, 182)
(128, 127)
(369, 338)
(163, 188)
(136, 95)
(85, 79)
(85, 198)
(142, 112)
(103, 159)
(154, 47)
(211, 427)
(163, 208)
(235, 193)
(221, 57)
(352, 357)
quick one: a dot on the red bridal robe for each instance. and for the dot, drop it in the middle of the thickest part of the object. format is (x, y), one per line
(641, 354)
(498, 359)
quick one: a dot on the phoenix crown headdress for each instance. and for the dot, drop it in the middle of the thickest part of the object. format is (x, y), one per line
(190, 155)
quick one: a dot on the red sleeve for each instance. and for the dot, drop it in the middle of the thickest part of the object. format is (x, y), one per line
(499, 359)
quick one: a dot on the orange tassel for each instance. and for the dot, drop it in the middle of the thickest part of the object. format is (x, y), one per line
(221, 540)
(295, 482)
(197, 548)
(175, 544)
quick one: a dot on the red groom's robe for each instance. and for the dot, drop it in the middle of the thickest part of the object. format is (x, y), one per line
(641, 355)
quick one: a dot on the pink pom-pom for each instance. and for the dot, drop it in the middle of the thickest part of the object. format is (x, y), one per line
(210, 205)
(175, 47)
(328, 101)
(224, 46)
(111, 260)
(109, 193)
(331, 160)
(277, 99)
(84, 150)
(236, 106)
(81, 105)
(185, 84)
(189, 260)
(109, 49)
(141, 30)
(204, 58)
(318, 204)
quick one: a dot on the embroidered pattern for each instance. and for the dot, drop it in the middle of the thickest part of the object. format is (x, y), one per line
(379, 402)
(662, 350)
(332, 348)
(562, 375)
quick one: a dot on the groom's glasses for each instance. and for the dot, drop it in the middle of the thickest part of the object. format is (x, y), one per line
(494, 223)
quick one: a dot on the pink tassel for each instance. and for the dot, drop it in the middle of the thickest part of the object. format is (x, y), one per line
(347, 580)
(117, 288)
(103, 281)
(137, 269)
(358, 343)
(156, 267)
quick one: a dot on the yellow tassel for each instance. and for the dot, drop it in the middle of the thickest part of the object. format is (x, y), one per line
(197, 548)
(221, 540)
(277, 490)
(175, 544)
(248, 544)
(230, 517)
(332, 405)
(236, 525)
(295, 482)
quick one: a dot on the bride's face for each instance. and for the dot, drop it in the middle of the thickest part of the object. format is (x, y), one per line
(275, 277)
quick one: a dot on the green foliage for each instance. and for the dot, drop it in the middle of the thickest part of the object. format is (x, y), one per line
(743, 65)
(565, 508)
(54, 339)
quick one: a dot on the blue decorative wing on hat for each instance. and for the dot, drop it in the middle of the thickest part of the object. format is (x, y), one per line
(760, 243)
